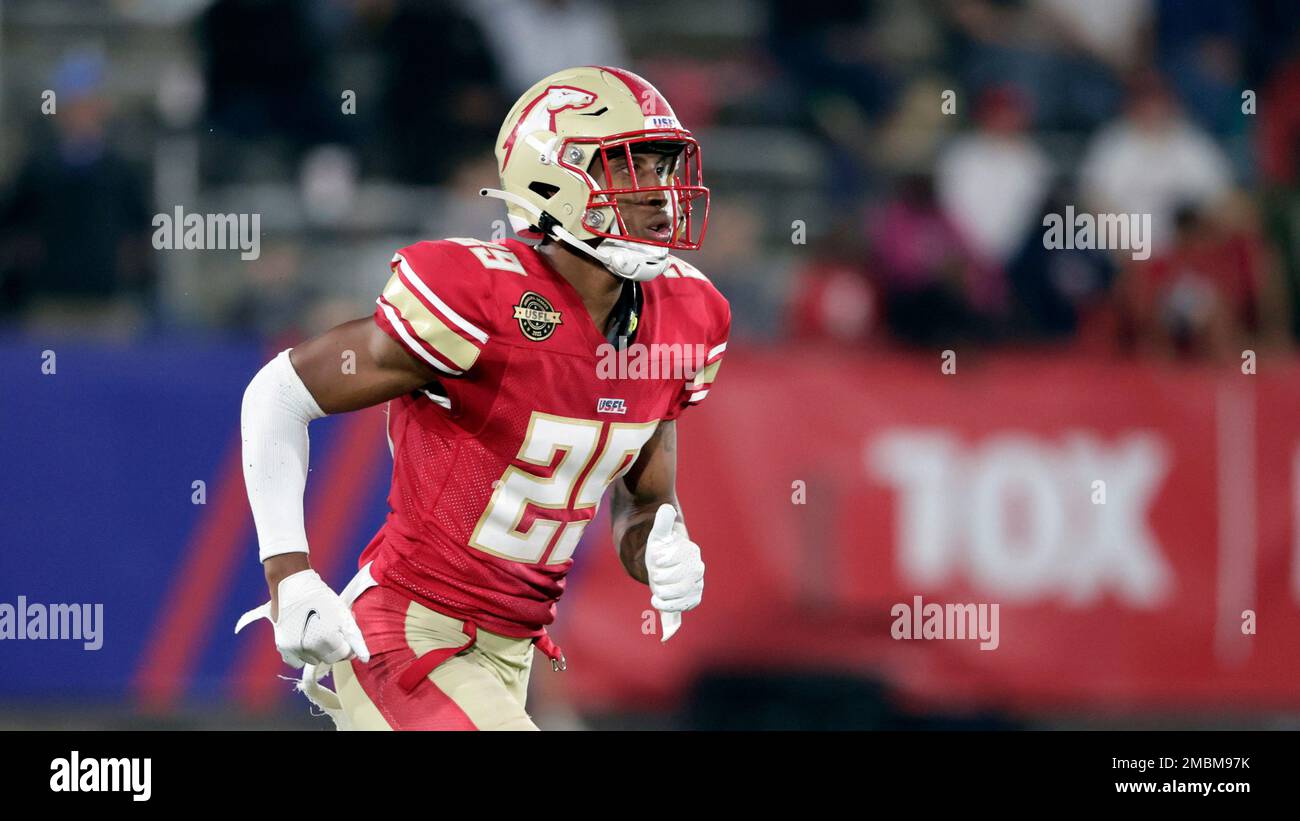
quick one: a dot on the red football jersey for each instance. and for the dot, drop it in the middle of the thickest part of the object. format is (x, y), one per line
(498, 469)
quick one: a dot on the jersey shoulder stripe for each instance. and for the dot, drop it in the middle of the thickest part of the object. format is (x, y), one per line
(433, 305)
(410, 278)
(391, 320)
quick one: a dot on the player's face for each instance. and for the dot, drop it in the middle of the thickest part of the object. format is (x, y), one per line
(646, 215)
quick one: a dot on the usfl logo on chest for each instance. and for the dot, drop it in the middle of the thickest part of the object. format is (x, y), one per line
(537, 317)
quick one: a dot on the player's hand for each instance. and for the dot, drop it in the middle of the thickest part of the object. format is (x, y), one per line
(313, 625)
(673, 565)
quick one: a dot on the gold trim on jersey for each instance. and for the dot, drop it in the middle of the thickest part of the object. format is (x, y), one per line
(429, 327)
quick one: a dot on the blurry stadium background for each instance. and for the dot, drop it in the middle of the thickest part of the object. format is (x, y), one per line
(880, 173)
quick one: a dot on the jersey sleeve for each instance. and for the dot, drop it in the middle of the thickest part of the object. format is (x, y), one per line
(434, 306)
(696, 388)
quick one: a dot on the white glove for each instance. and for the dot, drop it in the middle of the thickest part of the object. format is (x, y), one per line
(674, 569)
(314, 625)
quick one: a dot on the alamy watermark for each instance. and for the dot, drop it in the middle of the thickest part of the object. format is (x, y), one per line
(1104, 232)
(945, 621)
(658, 360)
(77, 774)
(208, 232)
(28, 621)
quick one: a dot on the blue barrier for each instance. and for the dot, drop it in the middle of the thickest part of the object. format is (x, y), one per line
(96, 505)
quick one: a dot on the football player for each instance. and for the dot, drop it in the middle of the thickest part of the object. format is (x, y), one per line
(504, 429)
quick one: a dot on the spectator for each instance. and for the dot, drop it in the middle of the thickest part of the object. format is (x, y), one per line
(1065, 55)
(1062, 294)
(1198, 48)
(265, 69)
(833, 298)
(442, 94)
(1151, 161)
(826, 46)
(1111, 32)
(935, 290)
(534, 38)
(991, 181)
(1212, 292)
(76, 225)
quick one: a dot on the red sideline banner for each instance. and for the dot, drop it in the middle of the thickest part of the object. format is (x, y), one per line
(1135, 526)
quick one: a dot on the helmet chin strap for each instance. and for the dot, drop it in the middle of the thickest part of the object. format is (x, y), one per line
(629, 260)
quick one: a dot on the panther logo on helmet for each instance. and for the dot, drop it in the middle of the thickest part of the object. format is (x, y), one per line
(540, 114)
(574, 122)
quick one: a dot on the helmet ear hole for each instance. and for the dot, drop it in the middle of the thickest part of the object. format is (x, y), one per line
(543, 189)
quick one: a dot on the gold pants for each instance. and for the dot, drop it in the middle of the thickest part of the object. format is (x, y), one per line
(481, 688)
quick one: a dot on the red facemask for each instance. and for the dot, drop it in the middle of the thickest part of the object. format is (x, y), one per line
(688, 199)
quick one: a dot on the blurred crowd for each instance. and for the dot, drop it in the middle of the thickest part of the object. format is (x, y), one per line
(1181, 110)
(881, 169)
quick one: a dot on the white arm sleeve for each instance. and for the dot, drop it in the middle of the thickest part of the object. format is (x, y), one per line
(273, 422)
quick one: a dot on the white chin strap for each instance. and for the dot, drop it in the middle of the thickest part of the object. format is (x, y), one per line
(630, 260)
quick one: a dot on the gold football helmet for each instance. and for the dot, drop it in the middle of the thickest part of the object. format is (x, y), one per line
(564, 126)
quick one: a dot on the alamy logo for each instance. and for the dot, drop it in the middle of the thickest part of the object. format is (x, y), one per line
(658, 360)
(77, 774)
(30, 621)
(1103, 232)
(208, 232)
(946, 621)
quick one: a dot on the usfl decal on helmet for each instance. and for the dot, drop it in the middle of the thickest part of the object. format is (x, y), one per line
(549, 141)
